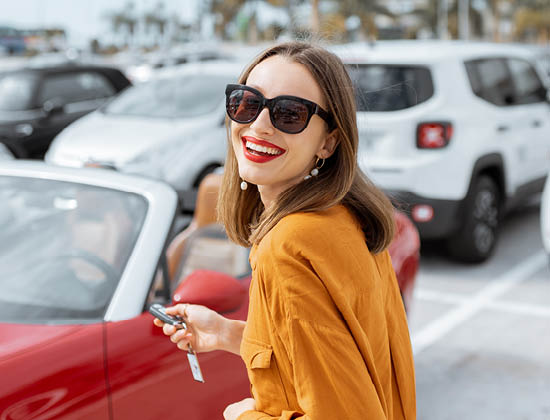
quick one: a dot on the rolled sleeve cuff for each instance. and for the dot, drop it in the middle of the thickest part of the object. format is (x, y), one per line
(253, 415)
(258, 415)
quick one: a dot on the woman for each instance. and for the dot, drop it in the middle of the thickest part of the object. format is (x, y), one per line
(326, 335)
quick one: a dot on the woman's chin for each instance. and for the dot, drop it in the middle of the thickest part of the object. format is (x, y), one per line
(252, 177)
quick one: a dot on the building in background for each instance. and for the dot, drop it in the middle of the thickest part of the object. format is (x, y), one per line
(12, 41)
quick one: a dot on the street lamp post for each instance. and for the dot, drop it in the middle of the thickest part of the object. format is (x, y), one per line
(463, 19)
(442, 19)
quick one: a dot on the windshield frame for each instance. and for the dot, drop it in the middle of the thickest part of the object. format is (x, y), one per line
(50, 212)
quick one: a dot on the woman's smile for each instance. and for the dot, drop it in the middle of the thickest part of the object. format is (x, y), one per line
(260, 151)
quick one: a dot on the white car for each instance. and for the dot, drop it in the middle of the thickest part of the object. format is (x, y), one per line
(151, 63)
(545, 217)
(170, 128)
(457, 132)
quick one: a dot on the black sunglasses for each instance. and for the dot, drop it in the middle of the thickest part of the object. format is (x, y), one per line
(289, 114)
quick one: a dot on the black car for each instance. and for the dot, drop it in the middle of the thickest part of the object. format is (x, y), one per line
(37, 103)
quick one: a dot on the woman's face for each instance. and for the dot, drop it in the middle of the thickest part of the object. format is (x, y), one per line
(295, 154)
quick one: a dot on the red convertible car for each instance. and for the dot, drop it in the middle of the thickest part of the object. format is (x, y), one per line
(83, 253)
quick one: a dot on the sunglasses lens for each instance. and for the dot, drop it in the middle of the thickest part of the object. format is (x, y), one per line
(243, 105)
(290, 116)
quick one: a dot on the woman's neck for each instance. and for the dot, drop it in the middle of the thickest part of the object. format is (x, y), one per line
(268, 195)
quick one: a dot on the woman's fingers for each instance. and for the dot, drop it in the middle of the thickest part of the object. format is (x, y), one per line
(180, 309)
(178, 335)
(168, 329)
(158, 322)
(183, 344)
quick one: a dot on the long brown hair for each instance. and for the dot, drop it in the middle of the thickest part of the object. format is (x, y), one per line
(340, 180)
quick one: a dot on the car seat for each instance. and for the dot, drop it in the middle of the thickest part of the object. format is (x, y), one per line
(205, 214)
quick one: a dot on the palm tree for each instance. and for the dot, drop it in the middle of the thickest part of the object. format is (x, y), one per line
(124, 19)
(366, 10)
(156, 18)
(474, 17)
(428, 15)
(534, 16)
(227, 10)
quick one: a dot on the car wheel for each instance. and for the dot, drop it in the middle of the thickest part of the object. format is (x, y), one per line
(477, 236)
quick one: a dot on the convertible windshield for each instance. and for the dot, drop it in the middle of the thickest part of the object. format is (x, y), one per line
(16, 91)
(63, 247)
(175, 97)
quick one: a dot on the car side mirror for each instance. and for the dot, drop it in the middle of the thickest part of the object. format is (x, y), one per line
(52, 107)
(548, 95)
(217, 291)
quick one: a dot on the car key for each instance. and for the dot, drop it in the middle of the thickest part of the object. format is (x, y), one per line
(159, 312)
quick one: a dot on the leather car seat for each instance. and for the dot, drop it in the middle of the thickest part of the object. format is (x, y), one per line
(205, 214)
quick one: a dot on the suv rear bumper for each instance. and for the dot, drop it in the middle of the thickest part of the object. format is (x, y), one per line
(446, 213)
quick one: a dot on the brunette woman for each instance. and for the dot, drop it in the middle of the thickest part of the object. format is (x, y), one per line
(326, 335)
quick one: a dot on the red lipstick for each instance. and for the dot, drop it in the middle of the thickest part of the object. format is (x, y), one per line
(256, 156)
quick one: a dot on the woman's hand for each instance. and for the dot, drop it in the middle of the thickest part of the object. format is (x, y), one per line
(233, 411)
(206, 329)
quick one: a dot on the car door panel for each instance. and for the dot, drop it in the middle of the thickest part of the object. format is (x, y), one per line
(47, 128)
(530, 96)
(76, 98)
(491, 81)
(62, 376)
(150, 377)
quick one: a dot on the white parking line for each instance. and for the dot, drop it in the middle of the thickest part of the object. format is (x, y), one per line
(435, 330)
(501, 306)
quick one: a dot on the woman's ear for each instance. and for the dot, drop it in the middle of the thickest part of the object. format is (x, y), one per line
(329, 145)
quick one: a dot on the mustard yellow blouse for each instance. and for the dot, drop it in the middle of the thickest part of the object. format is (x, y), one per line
(326, 335)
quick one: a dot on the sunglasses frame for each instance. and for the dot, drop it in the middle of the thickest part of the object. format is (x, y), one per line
(312, 107)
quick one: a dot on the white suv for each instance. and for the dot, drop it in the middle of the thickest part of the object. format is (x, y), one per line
(457, 132)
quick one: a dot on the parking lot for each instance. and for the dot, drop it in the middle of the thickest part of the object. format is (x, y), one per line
(481, 333)
(453, 131)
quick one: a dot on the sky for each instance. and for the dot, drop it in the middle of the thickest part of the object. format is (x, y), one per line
(82, 19)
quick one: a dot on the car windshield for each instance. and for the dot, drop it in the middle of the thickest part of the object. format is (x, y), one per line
(382, 88)
(63, 247)
(177, 97)
(16, 91)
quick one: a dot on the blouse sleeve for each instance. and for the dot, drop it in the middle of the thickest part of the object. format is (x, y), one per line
(330, 376)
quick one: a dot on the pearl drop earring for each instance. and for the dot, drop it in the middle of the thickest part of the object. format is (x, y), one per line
(244, 185)
(315, 171)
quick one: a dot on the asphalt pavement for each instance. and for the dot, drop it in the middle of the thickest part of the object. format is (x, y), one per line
(481, 333)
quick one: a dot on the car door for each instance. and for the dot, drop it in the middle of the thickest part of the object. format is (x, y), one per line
(151, 378)
(146, 370)
(506, 121)
(65, 97)
(52, 371)
(531, 96)
(51, 330)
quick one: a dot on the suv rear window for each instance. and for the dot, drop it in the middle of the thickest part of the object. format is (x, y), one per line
(390, 87)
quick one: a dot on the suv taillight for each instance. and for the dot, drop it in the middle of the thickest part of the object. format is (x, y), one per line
(433, 135)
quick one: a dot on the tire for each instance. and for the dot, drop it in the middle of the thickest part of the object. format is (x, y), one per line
(477, 236)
